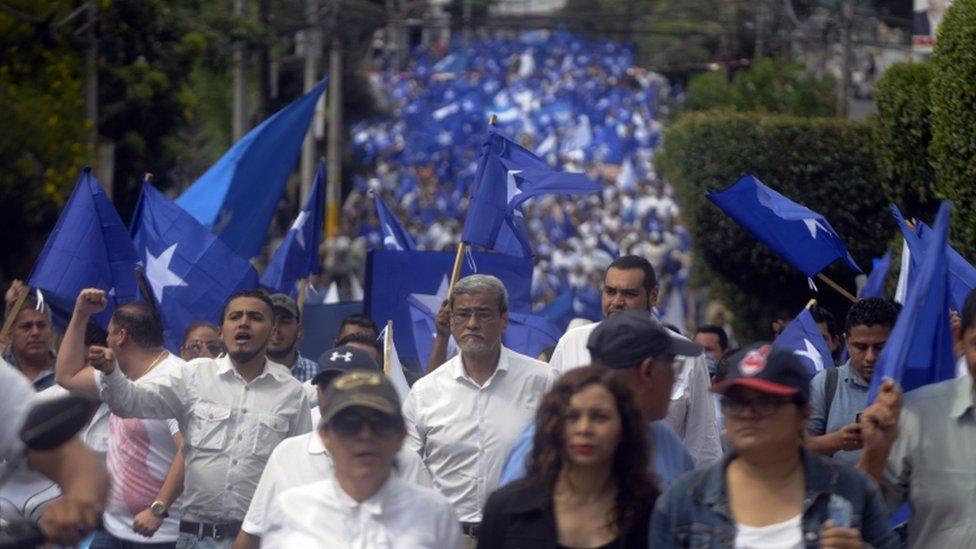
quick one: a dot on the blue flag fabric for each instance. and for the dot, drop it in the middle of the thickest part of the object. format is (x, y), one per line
(297, 256)
(798, 234)
(395, 235)
(803, 337)
(88, 248)
(393, 277)
(238, 195)
(874, 287)
(919, 349)
(508, 175)
(192, 273)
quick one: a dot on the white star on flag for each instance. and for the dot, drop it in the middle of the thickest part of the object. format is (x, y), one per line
(811, 353)
(158, 272)
(299, 225)
(812, 225)
(513, 189)
(390, 240)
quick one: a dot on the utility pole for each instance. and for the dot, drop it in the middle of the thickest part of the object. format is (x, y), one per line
(466, 19)
(847, 24)
(240, 80)
(312, 39)
(333, 189)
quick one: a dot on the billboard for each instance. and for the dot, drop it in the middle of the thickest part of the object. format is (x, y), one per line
(927, 15)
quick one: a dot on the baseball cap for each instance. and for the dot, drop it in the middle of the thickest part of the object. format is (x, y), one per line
(628, 337)
(361, 388)
(340, 360)
(768, 370)
(285, 303)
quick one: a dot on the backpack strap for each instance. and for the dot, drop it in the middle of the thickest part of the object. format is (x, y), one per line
(830, 389)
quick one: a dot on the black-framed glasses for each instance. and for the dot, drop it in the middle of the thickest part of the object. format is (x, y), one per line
(350, 423)
(481, 315)
(762, 405)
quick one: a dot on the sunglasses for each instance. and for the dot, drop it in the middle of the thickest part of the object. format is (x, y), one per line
(196, 347)
(763, 405)
(350, 423)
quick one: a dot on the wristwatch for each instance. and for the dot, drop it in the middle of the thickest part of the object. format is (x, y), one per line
(158, 509)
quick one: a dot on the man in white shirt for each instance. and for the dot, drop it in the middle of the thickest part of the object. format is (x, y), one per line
(144, 458)
(463, 417)
(234, 410)
(362, 505)
(631, 284)
(302, 460)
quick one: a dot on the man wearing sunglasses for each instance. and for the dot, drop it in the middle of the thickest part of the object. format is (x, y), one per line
(362, 504)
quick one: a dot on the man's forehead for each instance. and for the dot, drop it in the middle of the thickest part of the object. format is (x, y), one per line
(624, 278)
(247, 305)
(476, 299)
(30, 315)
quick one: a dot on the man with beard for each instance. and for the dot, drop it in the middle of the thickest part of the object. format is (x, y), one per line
(463, 417)
(234, 410)
(285, 336)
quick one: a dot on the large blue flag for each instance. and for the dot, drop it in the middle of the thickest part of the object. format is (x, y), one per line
(88, 248)
(874, 287)
(508, 175)
(798, 234)
(394, 279)
(238, 195)
(919, 349)
(804, 338)
(191, 272)
(298, 254)
(395, 235)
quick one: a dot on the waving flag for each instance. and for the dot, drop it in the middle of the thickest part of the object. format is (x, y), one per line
(919, 350)
(874, 287)
(192, 273)
(237, 196)
(297, 256)
(88, 248)
(798, 234)
(508, 175)
(395, 235)
(803, 337)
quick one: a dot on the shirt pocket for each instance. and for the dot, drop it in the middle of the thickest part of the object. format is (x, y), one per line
(269, 431)
(208, 430)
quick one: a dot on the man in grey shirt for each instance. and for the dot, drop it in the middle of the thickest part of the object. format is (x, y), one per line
(838, 394)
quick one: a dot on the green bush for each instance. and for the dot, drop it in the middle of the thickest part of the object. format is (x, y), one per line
(953, 148)
(825, 163)
(903, 133)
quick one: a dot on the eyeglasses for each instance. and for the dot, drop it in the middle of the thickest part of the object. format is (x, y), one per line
(763, 405)
(197, 346)
(481, 315)
(349, 424)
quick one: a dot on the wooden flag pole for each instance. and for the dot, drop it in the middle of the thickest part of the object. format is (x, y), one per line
(837, 287)
(9, 321)
(811, 304)
(462, 247)
(388, 348)
(302, 293)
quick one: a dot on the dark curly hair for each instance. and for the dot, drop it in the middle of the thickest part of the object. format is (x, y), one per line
(636, 488)
(873, 311)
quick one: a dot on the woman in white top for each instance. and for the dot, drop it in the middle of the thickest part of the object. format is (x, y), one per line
(362, 505)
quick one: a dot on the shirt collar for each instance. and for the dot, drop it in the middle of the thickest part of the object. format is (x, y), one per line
(460, 373)
(372, 505)
(273, 369)
(965, 399)
(847, 370)
(315, 446)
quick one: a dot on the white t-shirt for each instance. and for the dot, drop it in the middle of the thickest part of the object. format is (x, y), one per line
(783, 535)
(15, 397)
(140, 453)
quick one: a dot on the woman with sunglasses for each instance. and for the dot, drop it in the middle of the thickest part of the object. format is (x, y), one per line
(769, 491)
(588, 484)
(362, 504)
(201, 339)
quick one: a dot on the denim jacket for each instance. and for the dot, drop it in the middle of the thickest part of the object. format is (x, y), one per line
(695, 511)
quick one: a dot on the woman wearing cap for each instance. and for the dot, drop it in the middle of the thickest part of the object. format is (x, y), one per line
(769, 491)
(362, 505)
(588, 483)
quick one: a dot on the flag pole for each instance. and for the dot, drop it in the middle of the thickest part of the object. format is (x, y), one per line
(388, 348)
(811, 304)
(837, 287)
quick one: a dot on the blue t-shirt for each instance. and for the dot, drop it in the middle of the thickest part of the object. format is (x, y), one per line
(670, 458)
(851, 397)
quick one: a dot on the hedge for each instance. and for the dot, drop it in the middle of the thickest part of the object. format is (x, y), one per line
(953, 148)
(824, 163)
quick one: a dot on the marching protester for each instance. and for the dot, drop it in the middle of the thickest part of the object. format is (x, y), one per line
(630, 283)
(589, 482)
(362, 503)
(303, 459)
(32, 337)
(837, 395)
(145, 457)
(234, 410)
(713, 340)
(201, 339)
(642, 350)
(920, 450)
(285, 337)
(769, 491)
(831, 330)
(463, 418)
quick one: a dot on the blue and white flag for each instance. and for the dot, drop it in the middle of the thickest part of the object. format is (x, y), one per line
(804, 338)
(237, 197)
(395, 235)
(874, 287)
(297, 256)
(191, 272)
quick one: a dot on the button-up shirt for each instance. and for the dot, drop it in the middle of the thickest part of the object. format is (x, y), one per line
(851, 397)
(398, 515)
(932, 465)
(230, 426)
(691, 412)
(463, 431)
(304, 369)
(44, 379)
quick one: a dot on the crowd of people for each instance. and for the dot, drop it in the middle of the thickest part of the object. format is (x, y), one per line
(612, 443)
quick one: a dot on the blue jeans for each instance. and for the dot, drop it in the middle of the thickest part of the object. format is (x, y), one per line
(191, 541)
(104, 540)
